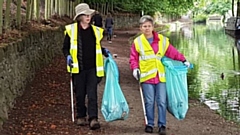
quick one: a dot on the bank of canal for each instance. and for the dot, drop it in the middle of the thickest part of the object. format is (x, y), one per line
(215, 77)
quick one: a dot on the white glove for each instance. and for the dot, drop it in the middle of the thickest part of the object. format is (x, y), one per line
(186, 63)
(136, 71)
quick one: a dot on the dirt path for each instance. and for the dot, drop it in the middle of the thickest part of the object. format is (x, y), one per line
(44, 109)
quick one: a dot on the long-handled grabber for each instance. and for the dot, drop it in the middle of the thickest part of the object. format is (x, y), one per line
(143, 103)
(71, 87)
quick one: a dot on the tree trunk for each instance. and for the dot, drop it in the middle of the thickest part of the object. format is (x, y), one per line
(71, 9)
(49, 8)
(97, 8)
(61, 12)
(46, 10)
(36, 10)
(28, 14)
(1, 16)
(67, 4)
(233, 8)
(52, 7)
(18, 17)
(238, 9)
(103, 8)
(32, 10)
(7, 15)
(56, 7)
(112, 5)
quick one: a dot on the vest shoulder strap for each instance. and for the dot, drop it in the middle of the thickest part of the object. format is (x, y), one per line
(68, 29)
(98, 32)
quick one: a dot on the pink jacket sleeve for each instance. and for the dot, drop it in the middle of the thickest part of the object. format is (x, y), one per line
(174, 54)
(134, 58)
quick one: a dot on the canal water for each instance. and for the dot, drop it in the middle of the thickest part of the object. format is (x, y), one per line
(214, 80)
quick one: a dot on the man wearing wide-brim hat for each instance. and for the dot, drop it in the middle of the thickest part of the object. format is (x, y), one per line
(84, 55)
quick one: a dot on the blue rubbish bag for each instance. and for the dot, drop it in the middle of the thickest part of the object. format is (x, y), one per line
(114, 105)
(177, 90)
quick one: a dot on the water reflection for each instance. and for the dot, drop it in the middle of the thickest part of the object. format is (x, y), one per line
(215, 77)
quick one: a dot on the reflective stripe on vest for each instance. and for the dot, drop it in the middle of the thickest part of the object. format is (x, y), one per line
(99, 57)
(153, 69)
(71, 30)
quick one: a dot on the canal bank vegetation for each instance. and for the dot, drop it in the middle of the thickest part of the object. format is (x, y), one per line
(203, 9)
(14, 14)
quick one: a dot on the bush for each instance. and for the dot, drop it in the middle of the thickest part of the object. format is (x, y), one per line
(200, 18)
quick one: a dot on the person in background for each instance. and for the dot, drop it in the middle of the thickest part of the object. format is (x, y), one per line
(84, 55)
(145, 59)
(97, 19)
(109, 26)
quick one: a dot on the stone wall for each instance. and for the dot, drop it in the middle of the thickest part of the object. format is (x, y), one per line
(125, 21)
(20, 60)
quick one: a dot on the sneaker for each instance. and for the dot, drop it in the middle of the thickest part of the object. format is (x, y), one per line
(94, 124)
(82, 121)
(148, 129)
(162, 130)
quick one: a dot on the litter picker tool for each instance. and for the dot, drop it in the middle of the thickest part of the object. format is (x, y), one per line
(143, 103)
(71, 87)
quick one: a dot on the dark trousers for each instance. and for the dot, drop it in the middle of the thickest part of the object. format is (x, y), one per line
(86, 84)
(109, 33)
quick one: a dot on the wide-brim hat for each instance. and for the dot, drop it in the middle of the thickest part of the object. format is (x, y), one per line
(83, 8)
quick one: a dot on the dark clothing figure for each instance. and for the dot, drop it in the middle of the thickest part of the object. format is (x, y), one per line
(109, 26)
(97, 19)
(108, 22)
(86, 81)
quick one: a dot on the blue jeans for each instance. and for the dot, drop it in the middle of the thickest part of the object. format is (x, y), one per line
(109, 33)
(152, 93)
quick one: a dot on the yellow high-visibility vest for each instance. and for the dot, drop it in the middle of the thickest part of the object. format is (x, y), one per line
(72, 30)
(150, 63)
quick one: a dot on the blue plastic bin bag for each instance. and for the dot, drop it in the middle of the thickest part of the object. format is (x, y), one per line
(177, 90)
(114, 105)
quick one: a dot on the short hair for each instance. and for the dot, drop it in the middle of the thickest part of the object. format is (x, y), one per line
(146, 18)
(109, 15)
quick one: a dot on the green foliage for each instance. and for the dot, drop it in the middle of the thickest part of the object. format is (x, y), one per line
(174, 7)
(212, 7)
(218, 8)
(200, 18)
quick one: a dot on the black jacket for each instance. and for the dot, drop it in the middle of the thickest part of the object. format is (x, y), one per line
(97, 18)
(86, 48)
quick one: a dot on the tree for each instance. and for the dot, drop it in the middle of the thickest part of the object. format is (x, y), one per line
(1, 16)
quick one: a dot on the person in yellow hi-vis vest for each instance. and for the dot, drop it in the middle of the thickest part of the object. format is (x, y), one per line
(145, 61)
(84, 55)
